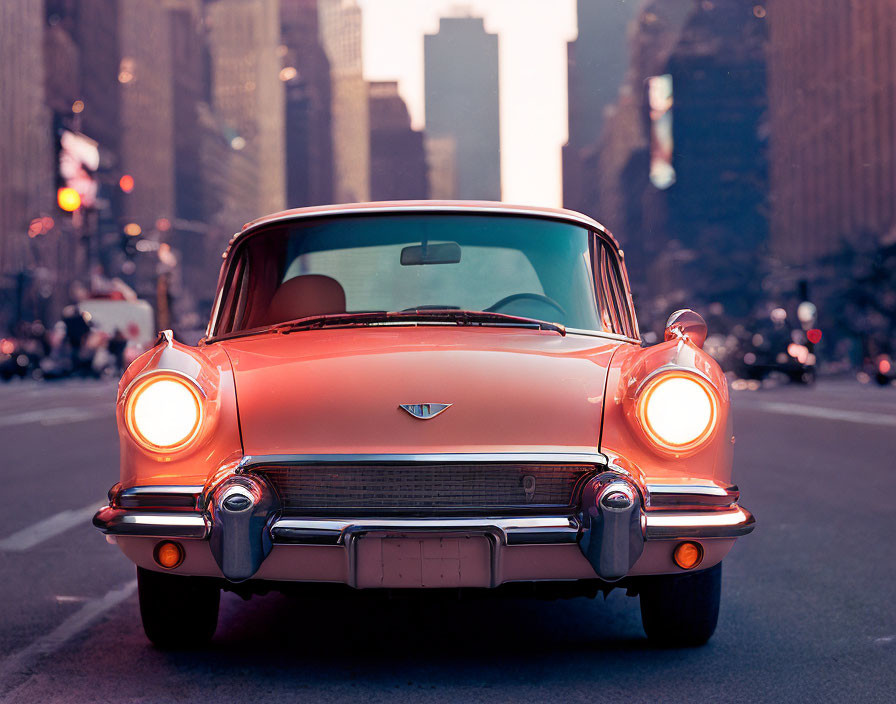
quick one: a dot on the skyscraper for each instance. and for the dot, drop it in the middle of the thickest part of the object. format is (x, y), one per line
(597, 62)
(397, 157)
(340, 33)
(248, 93)
(26, 162)
(832, 110)
(688, 198)
(462, 102)
(147, 114)
(306, 73)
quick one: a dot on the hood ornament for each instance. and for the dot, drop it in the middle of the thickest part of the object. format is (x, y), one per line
(424, 411)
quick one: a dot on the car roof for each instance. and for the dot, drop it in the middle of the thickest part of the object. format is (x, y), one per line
(422, 206)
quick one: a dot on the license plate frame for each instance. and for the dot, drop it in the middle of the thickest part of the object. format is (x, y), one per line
(409, 560)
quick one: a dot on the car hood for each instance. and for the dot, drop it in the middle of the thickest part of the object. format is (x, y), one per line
(339, 391)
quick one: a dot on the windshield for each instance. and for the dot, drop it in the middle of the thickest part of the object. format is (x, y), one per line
(519, 266)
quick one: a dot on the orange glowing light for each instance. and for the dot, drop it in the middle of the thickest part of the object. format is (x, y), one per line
(885, 366)
(126, 183)
(169, 555)
(677, 411)
(78, 106)
(132, 229)
(68, 199)
(688, 555)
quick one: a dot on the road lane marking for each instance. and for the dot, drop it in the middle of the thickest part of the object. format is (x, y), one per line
(796, 409)
(56, 416)
(48, 528)
(22, 661)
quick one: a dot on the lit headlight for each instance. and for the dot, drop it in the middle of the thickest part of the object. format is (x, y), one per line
(163, 412)
(677, 411)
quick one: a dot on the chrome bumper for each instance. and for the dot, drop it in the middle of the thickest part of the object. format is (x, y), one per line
(241, 519)
(658, 525)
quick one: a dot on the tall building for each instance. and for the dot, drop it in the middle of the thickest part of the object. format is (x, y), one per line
(306, 74)
(832, 106)
(147, 112)
(189, 87)
(247, 92)
(397, 156)
(26, 161)
(680, 171)
(340, 34)
(462, 102)
(441, 167)
(615, 185)
(597, 61)
(718, 203)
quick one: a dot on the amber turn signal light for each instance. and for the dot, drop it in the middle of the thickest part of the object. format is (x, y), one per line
(688, 555)
(168, 555)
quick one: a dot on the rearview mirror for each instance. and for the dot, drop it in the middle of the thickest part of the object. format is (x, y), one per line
(686, 323)
(443, 253)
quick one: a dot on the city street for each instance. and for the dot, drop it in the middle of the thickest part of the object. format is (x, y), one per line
(807, 606)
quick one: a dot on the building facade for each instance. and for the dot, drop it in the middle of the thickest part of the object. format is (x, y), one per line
(340, 35)
(26, 154)
(147, 112)
(306, 74)
(247, 91)
(397, 156)
(462, 96)
(680, 172)
(832, 108)
(597, 61)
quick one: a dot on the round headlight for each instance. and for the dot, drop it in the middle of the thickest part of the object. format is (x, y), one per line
(163, 412)
(677, 411)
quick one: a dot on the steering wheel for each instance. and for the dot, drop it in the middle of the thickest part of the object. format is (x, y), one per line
(507, 300)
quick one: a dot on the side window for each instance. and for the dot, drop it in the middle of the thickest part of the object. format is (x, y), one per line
(611, 284)
(234, 297)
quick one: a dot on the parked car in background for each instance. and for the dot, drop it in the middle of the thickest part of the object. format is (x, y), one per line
(426, 395)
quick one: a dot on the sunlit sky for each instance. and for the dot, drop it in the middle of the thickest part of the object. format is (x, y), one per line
(532, 36)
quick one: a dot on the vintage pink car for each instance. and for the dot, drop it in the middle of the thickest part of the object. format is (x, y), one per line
(426, 395)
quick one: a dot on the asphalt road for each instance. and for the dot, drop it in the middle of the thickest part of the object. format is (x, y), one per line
(808, 608)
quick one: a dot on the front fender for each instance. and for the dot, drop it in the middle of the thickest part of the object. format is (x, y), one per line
(620, 437)
(218, 439)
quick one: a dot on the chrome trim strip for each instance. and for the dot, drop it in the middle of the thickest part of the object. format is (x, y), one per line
(687, 489)
(156, 496)
(682, 495)
(512, 531)
(162, 489)
(250, 462)
(152, 524)
(731, 523)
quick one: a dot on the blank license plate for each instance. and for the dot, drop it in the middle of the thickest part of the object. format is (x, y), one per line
(414, 562)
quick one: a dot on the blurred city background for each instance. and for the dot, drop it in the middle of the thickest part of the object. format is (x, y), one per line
(744, 154)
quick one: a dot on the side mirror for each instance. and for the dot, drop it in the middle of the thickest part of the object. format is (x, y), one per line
(686, 323)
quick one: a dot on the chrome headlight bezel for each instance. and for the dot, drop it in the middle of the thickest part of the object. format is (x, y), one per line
(705, 431)
(143, 383)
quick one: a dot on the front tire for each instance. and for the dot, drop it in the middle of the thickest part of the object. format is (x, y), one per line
(681, 610)
(177, 611)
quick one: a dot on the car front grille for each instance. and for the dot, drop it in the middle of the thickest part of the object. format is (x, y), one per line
(421, 489)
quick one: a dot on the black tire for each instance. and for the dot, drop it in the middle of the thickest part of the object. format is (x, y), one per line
(681, 610)
(178, 612)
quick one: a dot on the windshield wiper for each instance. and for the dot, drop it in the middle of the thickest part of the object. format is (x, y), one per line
(458, 317)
